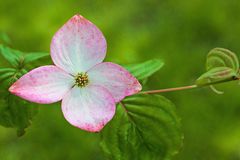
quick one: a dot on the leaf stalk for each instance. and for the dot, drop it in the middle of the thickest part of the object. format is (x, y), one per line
(185, 87)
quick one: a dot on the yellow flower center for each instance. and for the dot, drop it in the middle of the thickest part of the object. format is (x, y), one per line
(81, 80)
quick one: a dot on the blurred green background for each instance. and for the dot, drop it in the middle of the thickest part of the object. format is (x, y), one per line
(179, 32)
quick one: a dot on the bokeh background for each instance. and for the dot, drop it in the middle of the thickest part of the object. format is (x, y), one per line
(181, 32)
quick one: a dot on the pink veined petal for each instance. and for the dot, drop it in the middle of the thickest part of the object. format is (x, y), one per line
(78, 46)
(46, 84)
(117, 80)
(88, 108)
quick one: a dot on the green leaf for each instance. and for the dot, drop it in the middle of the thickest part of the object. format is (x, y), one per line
(6, 75)
(2, 70)
(220, 57)
(222, 65)
(31, 57)
(14, 57)
(146, 69)
(9, 75)
(216, 75)
(145, 127)
(21, 60)
(16, 113)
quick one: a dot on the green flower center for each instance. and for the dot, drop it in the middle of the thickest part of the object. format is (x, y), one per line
(81, 80)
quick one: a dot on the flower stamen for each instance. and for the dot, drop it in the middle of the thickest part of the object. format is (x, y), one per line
(81, 80)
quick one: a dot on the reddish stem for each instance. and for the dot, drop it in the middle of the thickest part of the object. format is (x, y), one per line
(169, 89)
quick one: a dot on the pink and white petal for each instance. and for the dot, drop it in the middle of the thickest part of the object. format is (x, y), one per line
(88, 108)
(78, 46)
(117, 80)
(46, 84)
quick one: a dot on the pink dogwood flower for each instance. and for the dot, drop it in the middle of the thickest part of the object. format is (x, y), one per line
(89, 88)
